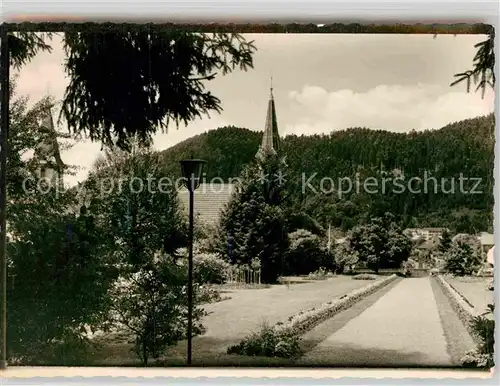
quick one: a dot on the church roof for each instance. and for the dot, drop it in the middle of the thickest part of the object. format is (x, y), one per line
(270, 139)
(209, 201)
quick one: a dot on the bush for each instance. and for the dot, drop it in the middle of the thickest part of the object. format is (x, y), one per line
(61, 282)
(207, 294)
(306, 254)
(345, 258)
(320, 274)
(268, 342)
(208, 268)
(483, 328)
(151, 304)
(364, 276)
(463, 258)
(474, 359)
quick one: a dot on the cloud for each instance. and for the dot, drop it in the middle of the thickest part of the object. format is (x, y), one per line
(389, 107)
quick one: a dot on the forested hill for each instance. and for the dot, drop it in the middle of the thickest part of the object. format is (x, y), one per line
(465, 147)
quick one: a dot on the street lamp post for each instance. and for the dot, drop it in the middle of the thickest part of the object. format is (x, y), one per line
(191, 171)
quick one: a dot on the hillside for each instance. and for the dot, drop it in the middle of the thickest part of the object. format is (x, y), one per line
(465, 147)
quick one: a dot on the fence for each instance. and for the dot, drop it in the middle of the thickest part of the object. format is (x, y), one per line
(239, 276)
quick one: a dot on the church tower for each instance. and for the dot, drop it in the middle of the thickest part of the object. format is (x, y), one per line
(271, 138)
(47, 151)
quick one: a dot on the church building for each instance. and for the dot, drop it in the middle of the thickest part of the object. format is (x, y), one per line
(211, 199)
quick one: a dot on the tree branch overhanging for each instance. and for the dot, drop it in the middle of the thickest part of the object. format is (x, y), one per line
(482, 73)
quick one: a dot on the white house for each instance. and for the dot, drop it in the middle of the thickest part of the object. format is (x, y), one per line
(424, 233)
(487, 241)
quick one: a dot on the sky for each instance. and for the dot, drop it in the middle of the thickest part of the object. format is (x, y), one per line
(321, 83)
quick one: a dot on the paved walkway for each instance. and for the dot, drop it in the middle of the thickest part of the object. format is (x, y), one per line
(402, 328)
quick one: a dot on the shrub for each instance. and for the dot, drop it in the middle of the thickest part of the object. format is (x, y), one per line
(207, 267)
(320, 274)
(463, 258)
(364, 276)
(474, 358)
(61, 281)
(306, 254)
(151, 304)
(268, 342)
(207, 294)
(345, 258)
(484, 330)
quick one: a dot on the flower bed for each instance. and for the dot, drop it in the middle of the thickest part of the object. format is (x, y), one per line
(306, 320)
(464, 311)
(364, 276)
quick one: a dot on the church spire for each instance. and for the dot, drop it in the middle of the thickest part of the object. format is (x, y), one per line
(270, 139)
(47, 150)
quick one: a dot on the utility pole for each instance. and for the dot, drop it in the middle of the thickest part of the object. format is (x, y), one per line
(4, 133)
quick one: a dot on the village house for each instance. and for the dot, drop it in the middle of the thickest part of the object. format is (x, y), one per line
(424, 233)
(487, 241)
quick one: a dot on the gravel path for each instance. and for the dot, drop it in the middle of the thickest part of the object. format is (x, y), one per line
(402, 328)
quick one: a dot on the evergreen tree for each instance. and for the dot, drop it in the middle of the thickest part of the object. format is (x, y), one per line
(256, 220)
(483, 71)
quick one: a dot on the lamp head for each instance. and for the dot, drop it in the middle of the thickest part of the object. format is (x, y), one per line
(192, 169)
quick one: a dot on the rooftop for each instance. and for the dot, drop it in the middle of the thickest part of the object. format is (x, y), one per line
(487, 238)
(209, 201)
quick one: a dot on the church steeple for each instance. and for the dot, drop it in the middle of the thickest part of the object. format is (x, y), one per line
(271, 139)
(47, 150)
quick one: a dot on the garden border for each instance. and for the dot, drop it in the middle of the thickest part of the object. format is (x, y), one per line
(464, 311)
(306, 320)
